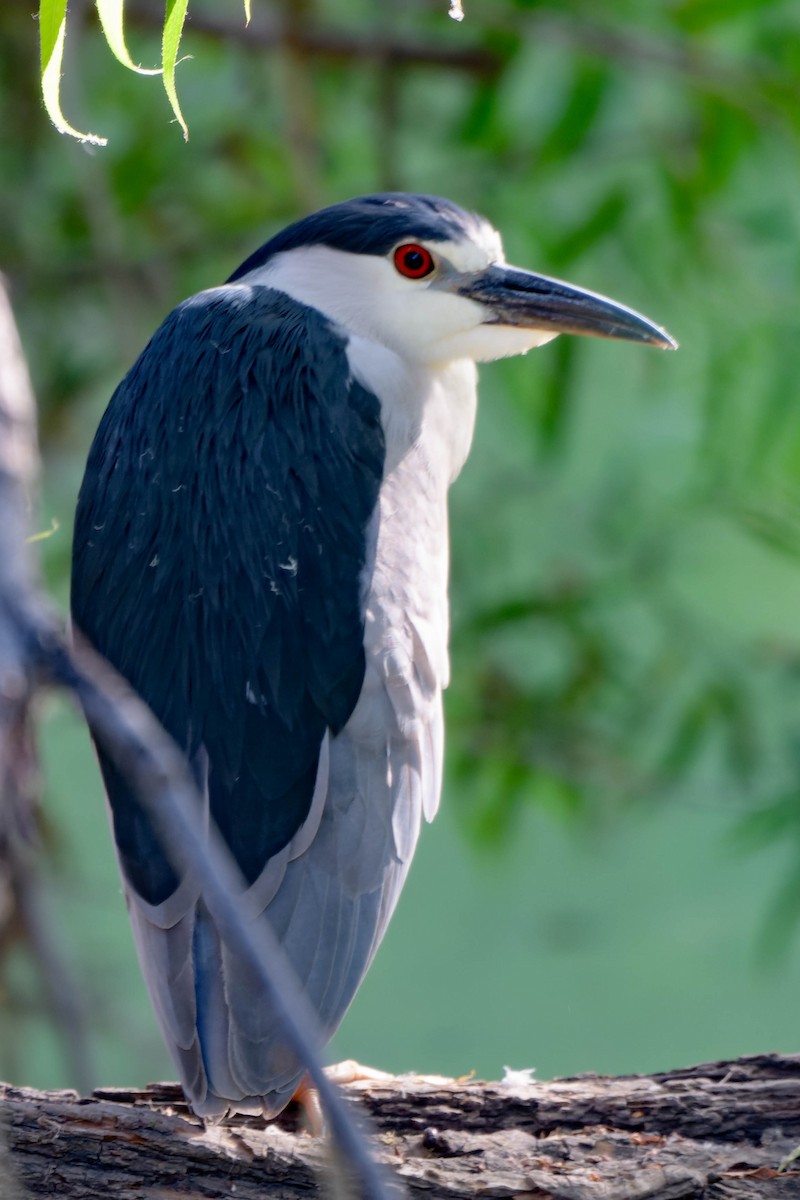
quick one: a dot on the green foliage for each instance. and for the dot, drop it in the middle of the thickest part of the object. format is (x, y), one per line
(52, 31)
(593, 662)
(626, 536)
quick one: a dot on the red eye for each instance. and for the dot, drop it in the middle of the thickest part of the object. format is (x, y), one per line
(413, 261)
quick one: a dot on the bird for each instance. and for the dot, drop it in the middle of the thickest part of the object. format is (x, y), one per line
(261, 550)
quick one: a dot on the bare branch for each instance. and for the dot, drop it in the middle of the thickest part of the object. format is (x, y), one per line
(267, 31)
(299, 108)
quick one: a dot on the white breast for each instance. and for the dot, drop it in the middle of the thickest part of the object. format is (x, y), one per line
(430, 407)
(428, 417)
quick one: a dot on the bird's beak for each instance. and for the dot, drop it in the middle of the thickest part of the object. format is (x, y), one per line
(521, 298)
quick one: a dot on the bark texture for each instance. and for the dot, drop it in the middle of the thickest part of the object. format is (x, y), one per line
(717, 1132)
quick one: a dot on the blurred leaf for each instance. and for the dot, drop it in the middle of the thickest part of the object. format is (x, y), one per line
(776, 529)
(726, 133)
(768, 824)
(556, 401)
(44, 534)
(509, 612)
(686, 739)
(695, 16)
(782, 920)
(578, 116)
(603, 220)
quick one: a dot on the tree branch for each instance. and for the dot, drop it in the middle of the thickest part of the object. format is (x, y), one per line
(267, 31)
(717, 1132)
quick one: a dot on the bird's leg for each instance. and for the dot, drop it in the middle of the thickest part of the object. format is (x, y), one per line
(307, 1096)
(349, 1071)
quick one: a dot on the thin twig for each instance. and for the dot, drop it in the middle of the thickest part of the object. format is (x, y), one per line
(299, 106)
(388, 122)
(267, 31)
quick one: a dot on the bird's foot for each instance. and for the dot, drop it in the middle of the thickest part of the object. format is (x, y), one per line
(349, 1071)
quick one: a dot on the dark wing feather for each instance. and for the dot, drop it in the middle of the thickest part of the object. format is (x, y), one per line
(220, 545)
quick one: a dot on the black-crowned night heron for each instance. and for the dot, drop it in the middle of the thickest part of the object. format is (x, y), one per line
(261, 550)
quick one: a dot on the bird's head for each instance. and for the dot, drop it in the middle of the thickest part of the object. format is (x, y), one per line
(429, 280)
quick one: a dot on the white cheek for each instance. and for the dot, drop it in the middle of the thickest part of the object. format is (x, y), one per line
(485, 343)
(420, 325)
(367, 297)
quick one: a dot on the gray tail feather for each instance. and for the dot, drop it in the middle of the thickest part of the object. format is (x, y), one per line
(329, 913)
(226, 1083)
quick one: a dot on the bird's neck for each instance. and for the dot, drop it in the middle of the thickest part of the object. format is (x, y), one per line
(430, 409)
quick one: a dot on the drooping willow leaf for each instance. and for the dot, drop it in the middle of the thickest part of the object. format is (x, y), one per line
(173, 28)
(110, 13)
(52, 28)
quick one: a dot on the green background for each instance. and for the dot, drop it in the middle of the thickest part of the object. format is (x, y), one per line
(614, 880)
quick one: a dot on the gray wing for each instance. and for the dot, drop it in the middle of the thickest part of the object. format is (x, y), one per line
(329, 906)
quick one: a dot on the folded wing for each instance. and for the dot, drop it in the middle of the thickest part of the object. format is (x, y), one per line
(223, 549)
